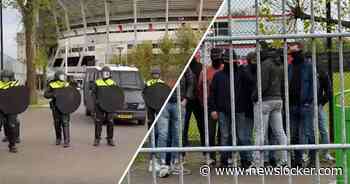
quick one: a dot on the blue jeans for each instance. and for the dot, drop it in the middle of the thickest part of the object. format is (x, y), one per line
(323, 126)
(302, 130)
(244, 128)
(167, 128)
(271, 117)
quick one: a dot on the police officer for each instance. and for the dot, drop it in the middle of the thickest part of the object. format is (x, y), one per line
(102, 116)
(10, 122)
(155, 74)
(61, 120)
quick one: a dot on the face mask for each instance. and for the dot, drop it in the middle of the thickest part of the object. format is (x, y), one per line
(216, 64)
(106, 75)
(62, 77)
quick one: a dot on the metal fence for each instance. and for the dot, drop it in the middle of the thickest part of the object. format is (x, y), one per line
(285, 36)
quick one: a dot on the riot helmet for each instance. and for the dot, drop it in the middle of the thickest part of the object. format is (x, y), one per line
(106, 72)
(60, 75)
(155, 72)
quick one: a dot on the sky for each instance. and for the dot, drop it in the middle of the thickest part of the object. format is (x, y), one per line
(12, 25)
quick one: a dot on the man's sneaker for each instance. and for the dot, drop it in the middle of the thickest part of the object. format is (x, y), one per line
(252, 169)
(282, 163)
(163, 171)
(175, 169)
(210, 162)
(150, 167)
(329, 157)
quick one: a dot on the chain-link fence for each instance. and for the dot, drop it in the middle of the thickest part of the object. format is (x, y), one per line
(239, 29)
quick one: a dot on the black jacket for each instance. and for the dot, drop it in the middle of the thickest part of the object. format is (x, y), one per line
(187, 85)
(271, 79)
(246, 88)
(219, 99)
(324, 88)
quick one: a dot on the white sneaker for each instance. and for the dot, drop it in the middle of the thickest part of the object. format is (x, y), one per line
(211, 162)
(175, 169)
(282, 163)
(163, 171)
(150, 167)
(329, 157)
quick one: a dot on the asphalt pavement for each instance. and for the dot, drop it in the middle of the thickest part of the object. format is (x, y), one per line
(40, 161)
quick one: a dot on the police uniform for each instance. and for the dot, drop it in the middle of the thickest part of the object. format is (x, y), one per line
(101, 116)
(10, 122)
(150, 111)
(61, 120)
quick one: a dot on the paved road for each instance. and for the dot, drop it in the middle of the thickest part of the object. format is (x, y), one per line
(39, 161)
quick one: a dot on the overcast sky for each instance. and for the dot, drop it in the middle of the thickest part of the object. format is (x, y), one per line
(12, 25)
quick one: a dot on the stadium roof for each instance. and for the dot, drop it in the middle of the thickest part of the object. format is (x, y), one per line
(122, 10)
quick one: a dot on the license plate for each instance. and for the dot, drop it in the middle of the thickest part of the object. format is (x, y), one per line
(124, 116)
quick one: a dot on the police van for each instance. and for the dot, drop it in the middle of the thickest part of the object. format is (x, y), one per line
(130, 80)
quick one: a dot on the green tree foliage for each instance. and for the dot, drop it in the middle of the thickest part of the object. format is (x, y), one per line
(143, 58)
(166, 56)
(29, 10)
(186, 41)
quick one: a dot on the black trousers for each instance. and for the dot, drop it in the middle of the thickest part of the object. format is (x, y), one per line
(61, 121)
(101, 118)
(151, 115)
(195, 107)
(11, 124)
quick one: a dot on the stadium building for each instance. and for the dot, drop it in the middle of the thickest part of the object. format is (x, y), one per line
(91, 31)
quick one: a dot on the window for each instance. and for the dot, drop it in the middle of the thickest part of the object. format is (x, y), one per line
(73, 61)
(88, 61)
(58, 62)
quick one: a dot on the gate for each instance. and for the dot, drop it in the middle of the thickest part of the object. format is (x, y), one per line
(339, 34)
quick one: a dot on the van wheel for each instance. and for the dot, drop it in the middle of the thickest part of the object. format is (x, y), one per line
(87, 112)
(141, 122)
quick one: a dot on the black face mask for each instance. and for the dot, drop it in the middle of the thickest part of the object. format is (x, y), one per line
(227, 67)
(216, 64)
(298, 57)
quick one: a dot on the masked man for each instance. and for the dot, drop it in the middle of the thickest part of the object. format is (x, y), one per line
(61, 120)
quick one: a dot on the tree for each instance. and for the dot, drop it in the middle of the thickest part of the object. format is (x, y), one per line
(186, 41)
(29, 10)
(41, 62)
(142, 57)
(166, 56)
(300, 9)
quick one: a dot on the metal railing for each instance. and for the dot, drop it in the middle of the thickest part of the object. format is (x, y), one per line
(236, 149)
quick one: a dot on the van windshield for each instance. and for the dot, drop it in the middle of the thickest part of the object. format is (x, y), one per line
(128, 79)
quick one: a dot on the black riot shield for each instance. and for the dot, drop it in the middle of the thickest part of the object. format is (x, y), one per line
(111, 98)
(155, 95)
(14, 100)
(67, 100)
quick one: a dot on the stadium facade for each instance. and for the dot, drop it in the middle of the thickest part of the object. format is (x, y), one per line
(93, 31)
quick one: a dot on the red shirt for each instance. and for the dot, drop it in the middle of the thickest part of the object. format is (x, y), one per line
(210, 75)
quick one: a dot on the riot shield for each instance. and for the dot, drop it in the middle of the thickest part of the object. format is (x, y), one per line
(155, 95)
(14, 100)
(111, 98)
(67, 100)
